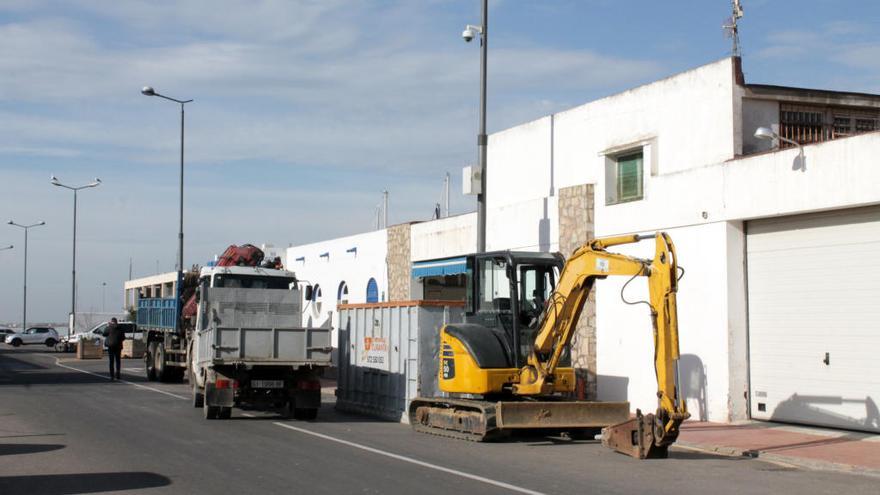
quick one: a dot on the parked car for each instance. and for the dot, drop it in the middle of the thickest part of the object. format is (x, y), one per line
(99, 331)
(5, 332)
(34, 335)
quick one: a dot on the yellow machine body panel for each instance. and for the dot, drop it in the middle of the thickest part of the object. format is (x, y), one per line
(460, 373)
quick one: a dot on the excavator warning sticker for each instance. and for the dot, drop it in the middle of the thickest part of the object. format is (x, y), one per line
(602, 265)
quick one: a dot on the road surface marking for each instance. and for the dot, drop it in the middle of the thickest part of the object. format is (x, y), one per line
(399, 457)
(138, 385)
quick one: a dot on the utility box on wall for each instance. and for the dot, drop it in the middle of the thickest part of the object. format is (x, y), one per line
(471, 180)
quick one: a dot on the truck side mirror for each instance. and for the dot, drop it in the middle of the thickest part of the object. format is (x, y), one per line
(307, 292)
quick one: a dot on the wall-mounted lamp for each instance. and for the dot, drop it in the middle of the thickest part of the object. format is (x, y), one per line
(767, 133)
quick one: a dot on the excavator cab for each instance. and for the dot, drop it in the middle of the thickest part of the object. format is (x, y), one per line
(507, 292)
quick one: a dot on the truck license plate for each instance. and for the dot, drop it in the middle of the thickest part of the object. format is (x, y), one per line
(267, 383)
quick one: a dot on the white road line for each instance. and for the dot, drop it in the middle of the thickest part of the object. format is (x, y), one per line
(138, 385)
(399, 457)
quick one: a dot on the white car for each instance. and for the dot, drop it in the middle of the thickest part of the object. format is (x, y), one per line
(5, 332)
(34, 335)
(99, 331)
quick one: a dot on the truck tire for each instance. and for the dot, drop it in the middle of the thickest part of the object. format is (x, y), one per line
(211, 412)
(197, 396)
(224, 413)
(305, 414)
(149, 362)
(159, 363)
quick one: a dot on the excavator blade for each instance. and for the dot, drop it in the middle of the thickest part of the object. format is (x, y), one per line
(636, 438)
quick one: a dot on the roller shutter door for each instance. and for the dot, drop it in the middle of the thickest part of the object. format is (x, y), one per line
(814, 318)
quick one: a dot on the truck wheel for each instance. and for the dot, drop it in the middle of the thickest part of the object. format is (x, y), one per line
(197, 395)
(149, 362)
(224, 413)
(211, 412)
(159, 363)
(305, 414)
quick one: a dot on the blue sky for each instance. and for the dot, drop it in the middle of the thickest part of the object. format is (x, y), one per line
(305, 110)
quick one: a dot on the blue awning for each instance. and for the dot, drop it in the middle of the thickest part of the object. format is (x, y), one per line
(450, 266)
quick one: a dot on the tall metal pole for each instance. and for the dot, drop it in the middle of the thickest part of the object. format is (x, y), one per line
(71, 323)
(385, 208)
(24, 295)
(71, 326)
(180, 233)
(446, 196)
(24, 303)
(149, 91)
(481, 137)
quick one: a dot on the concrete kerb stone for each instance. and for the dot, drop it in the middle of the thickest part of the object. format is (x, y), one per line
(784, 460)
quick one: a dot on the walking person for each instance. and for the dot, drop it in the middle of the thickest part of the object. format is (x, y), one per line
(115, 337)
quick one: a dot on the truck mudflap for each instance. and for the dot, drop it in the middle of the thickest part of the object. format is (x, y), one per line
(220, 393)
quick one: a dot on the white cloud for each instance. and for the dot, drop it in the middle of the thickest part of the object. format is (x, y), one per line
(373, 95)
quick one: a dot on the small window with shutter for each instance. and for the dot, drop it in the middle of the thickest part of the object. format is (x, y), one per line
(625, 177)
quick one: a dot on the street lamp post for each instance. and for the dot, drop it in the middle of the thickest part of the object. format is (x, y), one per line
(470, 32)
(149, 91)
(24, 302)
(103, 297)
(55, 182)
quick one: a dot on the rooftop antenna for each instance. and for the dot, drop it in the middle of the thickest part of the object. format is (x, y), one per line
(731, 27)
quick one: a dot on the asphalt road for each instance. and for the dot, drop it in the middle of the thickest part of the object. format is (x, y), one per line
(66, 429)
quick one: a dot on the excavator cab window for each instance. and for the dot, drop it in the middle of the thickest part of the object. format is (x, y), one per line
(494, 293)
(535, 283)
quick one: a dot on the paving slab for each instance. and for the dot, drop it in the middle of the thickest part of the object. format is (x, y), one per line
(813, 448)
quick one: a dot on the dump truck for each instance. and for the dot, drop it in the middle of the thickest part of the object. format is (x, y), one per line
(239, 339)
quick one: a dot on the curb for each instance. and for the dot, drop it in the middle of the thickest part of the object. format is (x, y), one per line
(799, 462)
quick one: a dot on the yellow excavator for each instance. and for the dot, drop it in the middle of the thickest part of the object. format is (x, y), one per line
(507, 367)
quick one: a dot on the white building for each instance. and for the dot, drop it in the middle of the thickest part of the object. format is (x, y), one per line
(778, 307)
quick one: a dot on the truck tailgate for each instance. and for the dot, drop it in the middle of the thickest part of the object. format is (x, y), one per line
(298, 345)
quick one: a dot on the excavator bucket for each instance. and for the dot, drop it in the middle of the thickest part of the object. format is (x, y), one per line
(635, 438)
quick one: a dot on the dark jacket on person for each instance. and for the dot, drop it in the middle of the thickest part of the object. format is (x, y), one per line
(115, 336)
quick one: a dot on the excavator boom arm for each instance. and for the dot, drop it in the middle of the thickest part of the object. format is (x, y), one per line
(653, 432)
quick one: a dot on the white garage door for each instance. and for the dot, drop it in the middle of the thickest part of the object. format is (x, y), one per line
(814, 318)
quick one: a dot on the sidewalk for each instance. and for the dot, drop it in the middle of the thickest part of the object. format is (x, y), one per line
(806, 447)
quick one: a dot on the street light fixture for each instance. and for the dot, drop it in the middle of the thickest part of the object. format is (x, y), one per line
(149, 91)
(24, 303)
(769, 134)
(4, 248)
(470, 32)
(55, 182)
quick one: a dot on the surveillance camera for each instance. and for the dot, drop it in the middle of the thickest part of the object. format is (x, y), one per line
(468, 35)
